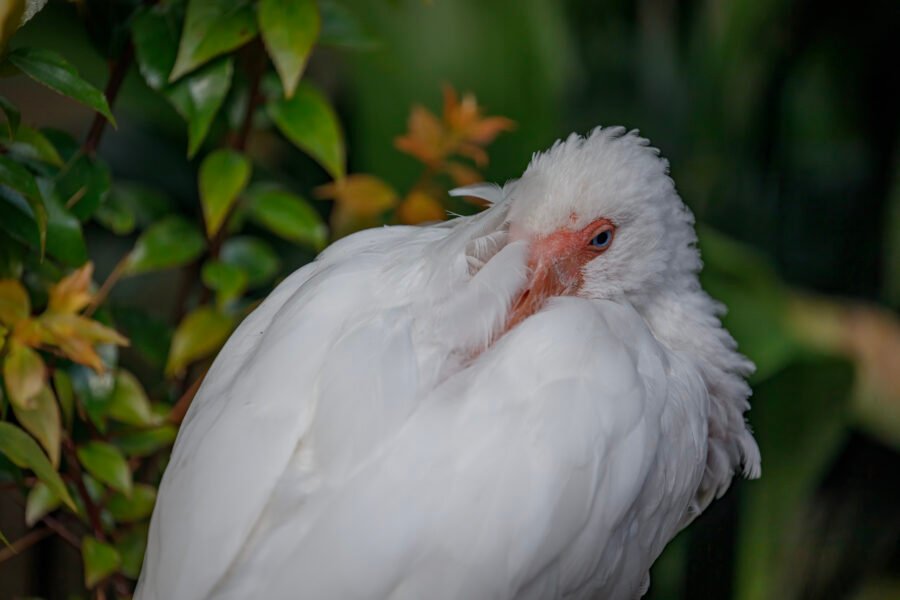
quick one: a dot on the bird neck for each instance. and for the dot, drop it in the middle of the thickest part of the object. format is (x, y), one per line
(687, 322)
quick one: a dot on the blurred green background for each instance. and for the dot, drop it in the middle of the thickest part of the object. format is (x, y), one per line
(780, 120)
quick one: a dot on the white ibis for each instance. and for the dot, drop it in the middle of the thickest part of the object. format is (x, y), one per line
(526, 403)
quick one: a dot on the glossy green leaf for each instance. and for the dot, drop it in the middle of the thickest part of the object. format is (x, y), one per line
(169, 243)
(211, 28)
(13, 116)
(342, 28)
(100, 561)
(106, 463)
(289, 29)
(16, 177)
(223, 176)
(134, 508)
(42, 421)
(147, 442)
(287, 215)
(254, 256)
(32, 144)
(53, 71)
(23, 373)
(24, 452)
(129, 403)
(93, 389)
(84, 185)
(66, 396)
(41, 501)
(228, 281)
(131, 548)
(65, 238)
(197, 97)
(199, 335)
(310, 123)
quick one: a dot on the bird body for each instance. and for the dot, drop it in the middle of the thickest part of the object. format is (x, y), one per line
(509, 405)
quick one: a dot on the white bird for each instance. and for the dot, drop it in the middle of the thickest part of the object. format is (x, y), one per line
(526, 403)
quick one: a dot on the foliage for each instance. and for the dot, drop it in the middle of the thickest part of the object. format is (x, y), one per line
(84, 437)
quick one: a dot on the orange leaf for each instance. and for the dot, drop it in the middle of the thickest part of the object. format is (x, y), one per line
(360, 195)
(425, 139)
(485, 130)
(419, 207)
(71, 294)
(474, 152)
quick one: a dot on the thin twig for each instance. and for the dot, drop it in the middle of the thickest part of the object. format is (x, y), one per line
(114, 276)
(24, 542)
(176, 415)
(62, 531)
(90, 506)
(117, 71)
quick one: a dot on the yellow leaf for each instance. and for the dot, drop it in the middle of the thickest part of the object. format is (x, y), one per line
(360, 195)
(14, 303)
(419, 207)
(71, 294)
(43, 422)
(24, 374)
(76, 337)
(11, 12)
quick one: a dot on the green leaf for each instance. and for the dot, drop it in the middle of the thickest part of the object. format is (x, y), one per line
(310, 123)
(84, 185)
(106, 463)
(342, 28)
(228, 281)
(32, 144)
(94, 390)
(131, 548)
(287, 215)
(211, 28)
(65, 238)
(24, 373)
(19, 179)
(138, 506)
(65, 395)
(289, 30)
(254, 256)
(169, 243)
(129, 403)
(223, 176)
(53, 71)
(149, 335)
(100, 561)
(198, 97)
(43, 422)
(13, 116)
(24, 452)
(199, 335)
(147, 442)
(41, 501)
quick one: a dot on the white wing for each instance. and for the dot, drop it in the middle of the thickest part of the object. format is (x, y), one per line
(329, 357)
(524, 475)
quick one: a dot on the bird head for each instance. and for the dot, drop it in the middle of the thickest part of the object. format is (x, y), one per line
(602, 220)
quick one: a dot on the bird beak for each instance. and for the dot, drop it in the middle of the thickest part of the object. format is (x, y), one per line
(555, 271)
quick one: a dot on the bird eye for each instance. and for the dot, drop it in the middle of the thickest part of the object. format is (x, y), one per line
(602, 240)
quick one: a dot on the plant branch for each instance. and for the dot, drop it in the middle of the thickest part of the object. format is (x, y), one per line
(117, 71)
(184, 402)
(24, 542)
(62, 531)
(89, 505)
(111, 280)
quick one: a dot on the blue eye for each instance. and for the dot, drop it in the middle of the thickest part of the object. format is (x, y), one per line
(602, 240)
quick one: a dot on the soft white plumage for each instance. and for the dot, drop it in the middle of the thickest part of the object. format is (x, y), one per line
(482, 408)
